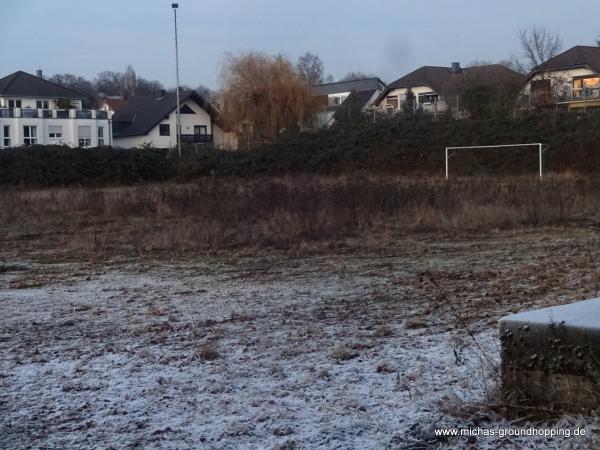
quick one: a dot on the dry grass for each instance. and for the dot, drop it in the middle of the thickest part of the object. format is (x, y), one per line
(283, 212)
(208, 352)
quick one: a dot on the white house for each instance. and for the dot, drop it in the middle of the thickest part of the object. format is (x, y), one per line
(436, 89)
(331, 96)
(151, 120)
(569, 81)
(36, 111)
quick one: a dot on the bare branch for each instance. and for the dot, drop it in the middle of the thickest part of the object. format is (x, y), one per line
(538, 45)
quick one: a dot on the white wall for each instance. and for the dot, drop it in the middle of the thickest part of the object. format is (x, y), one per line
(559, 79)
(32, 102)
(188, 121)
(70, 135)
(442, 106)
(337, 98)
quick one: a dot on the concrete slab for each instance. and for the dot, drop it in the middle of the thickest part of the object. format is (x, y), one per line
(551, 356)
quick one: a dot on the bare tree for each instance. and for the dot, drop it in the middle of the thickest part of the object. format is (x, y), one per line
(206, 92)
(110, 83)
(129, 78)
(79, 84)
(356, 75)
(538, 45)
(479, 62)
(310, 68)
(126, 84)
(148, 87)
(264, 96)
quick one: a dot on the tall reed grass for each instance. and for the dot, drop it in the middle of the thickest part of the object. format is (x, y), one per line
(228, 212)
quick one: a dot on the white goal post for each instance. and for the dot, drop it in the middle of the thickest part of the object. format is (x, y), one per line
(537, 144)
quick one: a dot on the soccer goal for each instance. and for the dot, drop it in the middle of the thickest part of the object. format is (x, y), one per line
(539, 146)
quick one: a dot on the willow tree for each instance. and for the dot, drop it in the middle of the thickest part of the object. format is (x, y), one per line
(263, 96)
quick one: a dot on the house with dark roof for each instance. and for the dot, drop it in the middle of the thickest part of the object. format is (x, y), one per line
(331, 96)
(35, 111)
(151, 120)
(436, 89)
(569, 81)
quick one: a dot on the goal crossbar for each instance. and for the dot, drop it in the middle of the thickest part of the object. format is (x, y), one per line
(472, 147)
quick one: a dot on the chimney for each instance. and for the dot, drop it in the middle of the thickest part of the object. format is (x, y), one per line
(455, 67)
(39, 74)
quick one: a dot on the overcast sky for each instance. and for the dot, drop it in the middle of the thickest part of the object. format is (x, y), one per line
(385, 37)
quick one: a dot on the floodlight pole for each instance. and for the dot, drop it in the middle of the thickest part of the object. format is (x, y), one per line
(177, 116)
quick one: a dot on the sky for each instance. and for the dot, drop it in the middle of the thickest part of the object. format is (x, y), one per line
(388, 38)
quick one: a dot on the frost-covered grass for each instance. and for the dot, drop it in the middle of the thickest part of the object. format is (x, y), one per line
(346, 350)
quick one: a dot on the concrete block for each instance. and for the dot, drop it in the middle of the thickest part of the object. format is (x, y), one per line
(551, 356)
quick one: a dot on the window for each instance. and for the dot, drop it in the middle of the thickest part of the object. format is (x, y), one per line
(185, 109)
(6, 140)
(42, 104)
(427, 98)
(30, 135)
(584, 87)
(392, 101)
(54, 132)
(336, 100)
(100, 136)
(85, 136)
(200, 129)
(14, 103)
(164, 129)
(591, 82)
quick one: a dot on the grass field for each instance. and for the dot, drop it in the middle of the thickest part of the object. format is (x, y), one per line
(346, 314)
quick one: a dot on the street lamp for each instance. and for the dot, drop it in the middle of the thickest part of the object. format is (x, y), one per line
(175, 6)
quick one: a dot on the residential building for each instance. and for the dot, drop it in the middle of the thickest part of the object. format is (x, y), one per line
(112, 103)
(435, 89)
(331, 97)
(151, 120)
(569, 81)
(36, 111)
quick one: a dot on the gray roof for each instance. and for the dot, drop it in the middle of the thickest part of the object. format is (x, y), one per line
(340, 87)
(141, 114)
(578, 56)
(446, 81)
(358, 99)
(23, 84)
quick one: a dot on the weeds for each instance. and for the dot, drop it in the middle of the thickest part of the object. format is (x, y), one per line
(285, 212)
(209, 352)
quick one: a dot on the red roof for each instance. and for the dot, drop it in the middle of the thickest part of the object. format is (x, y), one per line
(114, 104)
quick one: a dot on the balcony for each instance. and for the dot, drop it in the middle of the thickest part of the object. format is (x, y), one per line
(196, 138)
(547, 97)
(83, 114)
(34, 113)
(585, 94)
(29, 113)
